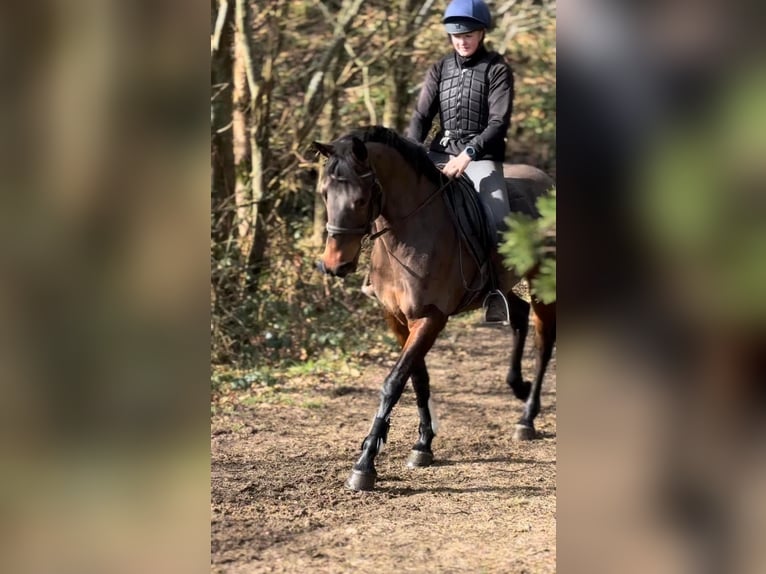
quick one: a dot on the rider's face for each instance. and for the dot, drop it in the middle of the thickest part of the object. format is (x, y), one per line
(466, 44)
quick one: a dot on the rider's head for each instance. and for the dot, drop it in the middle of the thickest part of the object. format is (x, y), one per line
(466, 21)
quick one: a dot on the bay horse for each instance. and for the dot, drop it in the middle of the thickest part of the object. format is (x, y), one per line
(376, 181)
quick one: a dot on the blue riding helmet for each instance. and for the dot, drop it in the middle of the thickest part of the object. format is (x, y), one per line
(463, 16)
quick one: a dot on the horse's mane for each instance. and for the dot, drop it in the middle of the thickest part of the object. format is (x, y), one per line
(413, 153)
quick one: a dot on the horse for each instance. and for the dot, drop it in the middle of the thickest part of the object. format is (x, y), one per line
(377, 184)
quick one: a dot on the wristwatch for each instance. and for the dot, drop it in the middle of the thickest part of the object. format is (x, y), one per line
(470, 151)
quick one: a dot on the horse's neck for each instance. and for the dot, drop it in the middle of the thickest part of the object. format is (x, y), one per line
(409, 199)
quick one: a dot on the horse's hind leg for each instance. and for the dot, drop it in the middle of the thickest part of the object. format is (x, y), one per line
(421, 336)
(545, 337)
(421, 454)
(519, 319)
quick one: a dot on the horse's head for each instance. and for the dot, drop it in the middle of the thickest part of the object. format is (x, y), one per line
(352, 194)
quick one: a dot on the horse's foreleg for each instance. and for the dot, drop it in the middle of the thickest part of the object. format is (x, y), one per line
(422, 334)
(421, 454)
(519, 319)
(545, 337)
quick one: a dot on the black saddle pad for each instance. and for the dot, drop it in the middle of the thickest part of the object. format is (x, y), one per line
(470, 219)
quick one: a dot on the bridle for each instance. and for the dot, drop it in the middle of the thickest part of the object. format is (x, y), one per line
(375, 207)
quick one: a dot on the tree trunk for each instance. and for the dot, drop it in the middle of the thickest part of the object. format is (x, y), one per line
(260, 105)
(241, 146)
(252, 96)
(397, 106)
(222, 174)
(403, 27)
(222, 160)
(329, 130)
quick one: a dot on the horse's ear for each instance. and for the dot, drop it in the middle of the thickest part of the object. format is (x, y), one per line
(359, 149)
(325, 149)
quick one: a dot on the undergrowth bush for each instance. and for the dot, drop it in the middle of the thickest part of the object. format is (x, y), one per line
(297, 314)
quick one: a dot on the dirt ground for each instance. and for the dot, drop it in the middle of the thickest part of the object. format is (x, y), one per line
(487, 505)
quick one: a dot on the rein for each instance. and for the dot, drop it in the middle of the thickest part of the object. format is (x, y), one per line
(425, 202)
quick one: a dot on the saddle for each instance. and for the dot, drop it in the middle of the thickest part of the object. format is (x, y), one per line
(470, 215)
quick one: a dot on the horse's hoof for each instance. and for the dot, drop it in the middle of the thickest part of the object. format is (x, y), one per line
(419, 458)
(359, 480)
(524, 432)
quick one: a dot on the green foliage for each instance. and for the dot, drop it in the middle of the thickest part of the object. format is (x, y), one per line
(701, 210)
(529, 247)
(223, 380)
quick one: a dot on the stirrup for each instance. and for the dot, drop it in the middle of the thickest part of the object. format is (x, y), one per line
(496, 311)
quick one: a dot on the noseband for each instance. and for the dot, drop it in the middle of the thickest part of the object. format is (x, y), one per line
(376, 206)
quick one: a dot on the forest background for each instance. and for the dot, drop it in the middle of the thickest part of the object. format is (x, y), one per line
(285, 73)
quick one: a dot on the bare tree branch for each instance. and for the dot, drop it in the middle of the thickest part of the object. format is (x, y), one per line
(215, 40)
(422, 14)
(243, 39)
(348, 12)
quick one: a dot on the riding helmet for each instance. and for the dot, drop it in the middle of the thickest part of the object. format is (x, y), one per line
(463, 16)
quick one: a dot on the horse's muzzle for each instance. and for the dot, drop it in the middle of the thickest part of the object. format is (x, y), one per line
(340, 271)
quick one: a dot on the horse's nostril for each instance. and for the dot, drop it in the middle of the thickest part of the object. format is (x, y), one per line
(320, 267)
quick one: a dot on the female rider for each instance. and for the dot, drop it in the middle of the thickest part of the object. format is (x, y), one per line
(472, 91)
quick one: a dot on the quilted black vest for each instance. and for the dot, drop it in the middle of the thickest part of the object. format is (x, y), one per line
(464, 109)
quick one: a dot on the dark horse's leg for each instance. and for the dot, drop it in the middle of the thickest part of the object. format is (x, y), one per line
(519, 311)
(421, 454)
(545, 337)
(421, 336)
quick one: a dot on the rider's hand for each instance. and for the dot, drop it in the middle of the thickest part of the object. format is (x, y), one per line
(456, 165)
